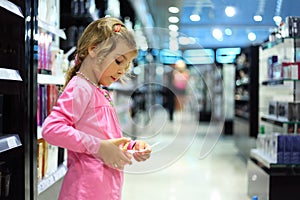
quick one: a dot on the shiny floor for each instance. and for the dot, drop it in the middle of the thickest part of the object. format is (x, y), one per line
(218, 174)
(190, 161)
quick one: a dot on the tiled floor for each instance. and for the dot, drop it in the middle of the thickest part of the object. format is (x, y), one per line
(221, 175)
(190, 162)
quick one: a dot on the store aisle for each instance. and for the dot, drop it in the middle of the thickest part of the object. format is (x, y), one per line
(174, 174)
(222, 175)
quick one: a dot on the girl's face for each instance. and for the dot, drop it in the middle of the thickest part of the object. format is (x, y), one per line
(115, 64)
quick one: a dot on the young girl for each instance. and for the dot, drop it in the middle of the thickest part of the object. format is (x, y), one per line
(85, 121)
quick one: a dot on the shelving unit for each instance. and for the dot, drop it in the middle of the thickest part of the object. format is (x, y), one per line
(18, 104)
(50, 166)
(52, 177)
(245, 125)
(279, 89)
(267, 178)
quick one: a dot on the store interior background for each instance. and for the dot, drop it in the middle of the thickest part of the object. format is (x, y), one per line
(220, 106)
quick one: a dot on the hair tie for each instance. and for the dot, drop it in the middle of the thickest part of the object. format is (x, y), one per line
(76, 61)
(117, 28)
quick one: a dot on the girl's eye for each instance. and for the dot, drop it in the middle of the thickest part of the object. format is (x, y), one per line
(118, 62)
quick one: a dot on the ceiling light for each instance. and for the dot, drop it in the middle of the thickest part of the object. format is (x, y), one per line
(277, 19)
(195, 17)
(173, 34)
(173, 19)
(228, 31)
(257, 18)
(251, 36)
(173, 9)
(230, 11)
(173, 27)
(217, 34)
(173, 45)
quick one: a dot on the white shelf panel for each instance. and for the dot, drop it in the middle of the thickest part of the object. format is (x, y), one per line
(50, 28)
(9, 74)
(11, 7)
(45, 79)
(263, 158)
(48, 181)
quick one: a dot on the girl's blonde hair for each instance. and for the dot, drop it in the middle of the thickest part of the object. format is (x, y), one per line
(104, 32)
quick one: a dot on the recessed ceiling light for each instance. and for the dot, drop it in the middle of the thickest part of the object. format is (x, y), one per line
(173, 27)
(173, 19)
(228, 31)
(217, 34)
(173, 9)
(173, 45)
(277, 19)
(257, 18)
(195, 17)
(230, 11)
(251, 36)
(173, 34)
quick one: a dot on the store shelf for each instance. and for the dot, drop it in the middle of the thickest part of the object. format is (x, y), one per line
(268, 45)
(277, 121)
(11, 7)
(9, 142)
(10, 74)
(278, 81)
(50, 180)
(52, 29)
(241, 98)
(45, 79)
(266, 160)
(245, 124)
(271, 44)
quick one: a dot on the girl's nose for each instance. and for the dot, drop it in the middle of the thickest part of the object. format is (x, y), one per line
(121, 71)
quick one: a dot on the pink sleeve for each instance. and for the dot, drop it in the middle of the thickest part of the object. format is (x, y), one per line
(58, 128)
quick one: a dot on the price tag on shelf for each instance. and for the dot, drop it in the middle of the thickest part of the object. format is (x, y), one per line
(60, 173)
(11, 142)
(45, 183)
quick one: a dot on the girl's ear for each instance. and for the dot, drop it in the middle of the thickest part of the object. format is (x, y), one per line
(92, 51)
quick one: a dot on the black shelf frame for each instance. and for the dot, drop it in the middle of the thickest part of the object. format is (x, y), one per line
(278, 81)
(277, 122)
(19, 100)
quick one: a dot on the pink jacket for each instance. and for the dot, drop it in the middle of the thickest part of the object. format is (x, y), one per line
(83, 117)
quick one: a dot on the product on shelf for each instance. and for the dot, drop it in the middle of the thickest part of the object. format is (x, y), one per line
(292, 25)
(281, 148)
(284, 111)
(42, 155)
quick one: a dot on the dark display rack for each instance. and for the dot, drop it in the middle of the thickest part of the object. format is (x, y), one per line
(18, 100)
(245, 126)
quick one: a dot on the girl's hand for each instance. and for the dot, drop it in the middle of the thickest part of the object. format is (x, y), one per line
(145, 151)
(112, 155)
